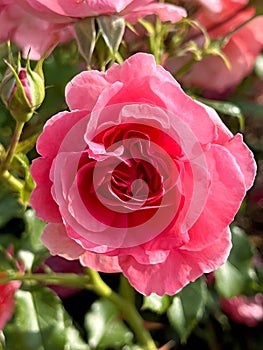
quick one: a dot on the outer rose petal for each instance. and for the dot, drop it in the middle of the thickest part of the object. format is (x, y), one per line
(244, 158)
(178, 270)
(166, 12)
(225, 174)
(41, 199)
(100, 262)
(55, 238)
(55, 130)
(91, 84)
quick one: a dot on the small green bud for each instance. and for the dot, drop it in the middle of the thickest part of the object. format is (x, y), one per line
(23, 90)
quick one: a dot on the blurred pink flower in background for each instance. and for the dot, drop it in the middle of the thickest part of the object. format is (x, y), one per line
(30, 32)
(245, 310)
(130, 182)
(7, 292)
(241, 49)
(7, 301)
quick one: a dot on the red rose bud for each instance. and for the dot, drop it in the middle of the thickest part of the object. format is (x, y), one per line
(23, 90)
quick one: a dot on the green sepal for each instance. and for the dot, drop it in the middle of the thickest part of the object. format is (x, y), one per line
(112, 29)
(85, 32)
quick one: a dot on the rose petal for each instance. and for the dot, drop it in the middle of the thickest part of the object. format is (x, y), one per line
(41, 198)
(166, 12)
(100, 262)
(55, 130)
(244, 158)
(222, 203)
(180, 267)
(55, 238)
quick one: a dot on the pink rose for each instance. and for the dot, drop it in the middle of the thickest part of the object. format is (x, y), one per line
(139, 178)
(7, 302)
(242, 309)
(241, 50)
(131, 10)
(19, 26)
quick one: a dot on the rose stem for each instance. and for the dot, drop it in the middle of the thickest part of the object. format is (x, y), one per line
(128, 310)
(4, 173)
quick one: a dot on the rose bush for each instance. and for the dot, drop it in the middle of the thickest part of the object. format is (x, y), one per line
(139, 178)
(241, 48)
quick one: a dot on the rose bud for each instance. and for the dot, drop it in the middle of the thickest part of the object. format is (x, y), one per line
(23, 90)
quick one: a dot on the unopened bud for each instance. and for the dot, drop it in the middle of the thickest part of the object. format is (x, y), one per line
(23, 90)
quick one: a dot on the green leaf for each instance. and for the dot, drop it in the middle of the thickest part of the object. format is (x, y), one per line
(227, 108)
(105, 329)
(31, 242)
(7, 263)
(85, 32)
(26, 145)
(235, 275)
(155, 303)
(40, 323)
(187, 308)
(20, 163)
(10, 207)
(251, 108)
(229, 280)
(112, 29)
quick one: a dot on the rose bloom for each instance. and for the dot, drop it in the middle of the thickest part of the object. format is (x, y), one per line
(245, 310)
(7, 302)
(22, 28)
(241, 49)
(139, 178)
(131, 10)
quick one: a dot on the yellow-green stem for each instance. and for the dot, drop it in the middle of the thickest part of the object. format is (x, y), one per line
(64, 279)
(14, 141)
(13, 182)
(128, 310)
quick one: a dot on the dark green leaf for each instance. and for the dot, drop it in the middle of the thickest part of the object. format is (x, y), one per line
(7, 263)
(112, 29)
(227, 108)
(187, 308)
(233, 277)
(156, 303)
(10, 206)
(41, 323)
(104, 327)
